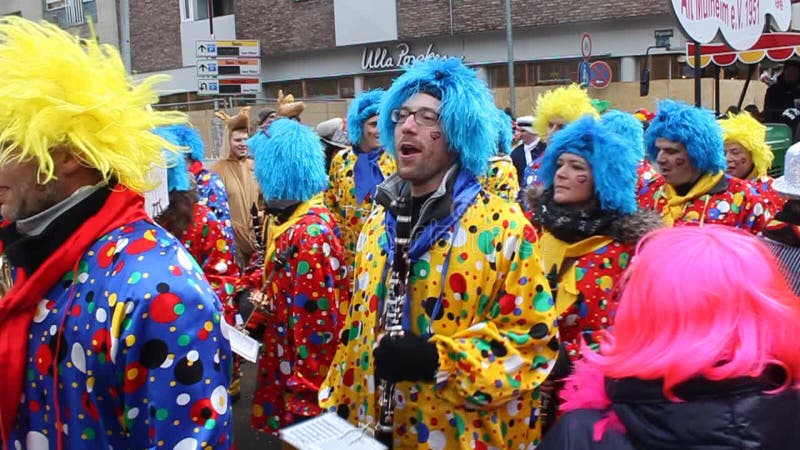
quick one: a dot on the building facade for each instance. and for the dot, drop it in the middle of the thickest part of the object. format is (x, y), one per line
(72, 15)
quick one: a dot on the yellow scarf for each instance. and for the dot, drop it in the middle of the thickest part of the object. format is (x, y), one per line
(676, 204)
(275, 230)
(555, 251)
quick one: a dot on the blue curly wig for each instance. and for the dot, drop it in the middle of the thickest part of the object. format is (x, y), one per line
(177, 172)
(613, 166)
(289, 161)
(185, 136)
(697, 129)
(505, 132)
(363, 107)
(467, 113)
(627, 127)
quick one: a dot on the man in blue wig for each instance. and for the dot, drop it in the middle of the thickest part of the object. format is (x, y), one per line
(357, 170)
(306, 288)
(686, 143)
(449, 288)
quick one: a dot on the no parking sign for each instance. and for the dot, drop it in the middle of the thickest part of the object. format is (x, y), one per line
(599, 75)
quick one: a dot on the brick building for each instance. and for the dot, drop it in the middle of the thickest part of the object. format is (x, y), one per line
(333, 49)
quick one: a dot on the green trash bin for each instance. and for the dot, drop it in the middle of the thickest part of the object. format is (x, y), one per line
(779, 138)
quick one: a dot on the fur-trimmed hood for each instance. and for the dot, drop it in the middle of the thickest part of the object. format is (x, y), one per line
(628, 229)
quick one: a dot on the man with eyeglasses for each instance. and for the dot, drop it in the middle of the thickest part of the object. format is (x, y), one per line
(456, 269)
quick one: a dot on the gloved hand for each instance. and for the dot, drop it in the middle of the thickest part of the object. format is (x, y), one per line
(791, 113)
(407, 358)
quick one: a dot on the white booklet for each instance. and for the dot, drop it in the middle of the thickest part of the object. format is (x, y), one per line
(329, 432)
(241, 344)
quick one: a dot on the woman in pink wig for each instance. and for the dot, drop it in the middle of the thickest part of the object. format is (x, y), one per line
(705, 353)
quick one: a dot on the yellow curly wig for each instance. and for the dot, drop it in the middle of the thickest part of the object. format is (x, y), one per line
(568, 102)
(59, 91)
(746, 131)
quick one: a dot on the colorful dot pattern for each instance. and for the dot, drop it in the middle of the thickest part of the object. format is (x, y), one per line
(301, 334)
(501, 178)
(495, 333)
(340, 198)
(141, 359)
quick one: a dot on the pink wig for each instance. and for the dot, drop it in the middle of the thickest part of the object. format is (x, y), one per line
(702, 301)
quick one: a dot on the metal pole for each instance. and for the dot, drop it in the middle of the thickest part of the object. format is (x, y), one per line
(125, 33)
(697, 75)
(211, 18)
(510, 45)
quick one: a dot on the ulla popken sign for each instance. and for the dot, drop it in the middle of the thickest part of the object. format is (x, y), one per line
(379, 58)
(740, 21)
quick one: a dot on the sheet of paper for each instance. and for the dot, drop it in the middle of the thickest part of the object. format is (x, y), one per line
(329, 432)
(241, 344)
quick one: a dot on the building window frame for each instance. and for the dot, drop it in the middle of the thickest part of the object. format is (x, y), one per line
(190, 11)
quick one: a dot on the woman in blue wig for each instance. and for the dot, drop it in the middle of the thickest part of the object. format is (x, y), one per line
(306, 288)
(589, 224)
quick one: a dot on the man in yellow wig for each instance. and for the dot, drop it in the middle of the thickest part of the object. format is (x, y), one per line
(110, 336)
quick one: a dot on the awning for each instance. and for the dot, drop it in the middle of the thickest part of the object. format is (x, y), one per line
(776, 47)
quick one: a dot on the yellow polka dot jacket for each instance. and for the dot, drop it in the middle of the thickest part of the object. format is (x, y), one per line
(478, 290)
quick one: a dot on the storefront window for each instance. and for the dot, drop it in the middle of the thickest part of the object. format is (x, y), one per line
(289, 87)
(662, 67)
(498, 75)
(382, 80)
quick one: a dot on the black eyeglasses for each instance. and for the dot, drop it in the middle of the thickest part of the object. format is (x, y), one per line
(425, 117)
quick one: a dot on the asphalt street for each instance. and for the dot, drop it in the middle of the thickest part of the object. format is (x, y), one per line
(243, 435)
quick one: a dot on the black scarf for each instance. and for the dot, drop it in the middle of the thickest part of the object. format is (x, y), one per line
(571, 224)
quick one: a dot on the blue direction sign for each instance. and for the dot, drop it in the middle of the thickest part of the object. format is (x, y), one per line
(584, 73)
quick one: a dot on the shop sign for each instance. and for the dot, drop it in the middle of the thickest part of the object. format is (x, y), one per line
(740, 22)
(381, 58)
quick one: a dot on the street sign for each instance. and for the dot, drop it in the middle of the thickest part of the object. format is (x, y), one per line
(600, 75)
(226, 66)
(244, 48)
(584, 73)
(586, 46)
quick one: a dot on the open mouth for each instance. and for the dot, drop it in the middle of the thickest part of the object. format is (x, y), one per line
(408, 150)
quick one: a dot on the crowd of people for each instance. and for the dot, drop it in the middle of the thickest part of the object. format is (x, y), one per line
(616, 280)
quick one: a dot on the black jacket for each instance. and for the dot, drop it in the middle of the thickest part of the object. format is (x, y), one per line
(518, 156)
(779, 97)
(723, 415)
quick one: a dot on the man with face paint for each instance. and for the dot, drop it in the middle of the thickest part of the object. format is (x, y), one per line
(748, 156)
(686, 143)
(456, 269)
(357, 170)
(554, 110)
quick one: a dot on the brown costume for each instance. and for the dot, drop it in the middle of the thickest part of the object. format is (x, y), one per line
(237, 174)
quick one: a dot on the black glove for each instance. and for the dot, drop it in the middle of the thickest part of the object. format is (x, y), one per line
(407, 358)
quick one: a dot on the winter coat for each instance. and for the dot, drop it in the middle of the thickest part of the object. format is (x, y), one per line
(494, 332)
(647, 183)
(732, 414)
(308, 296)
